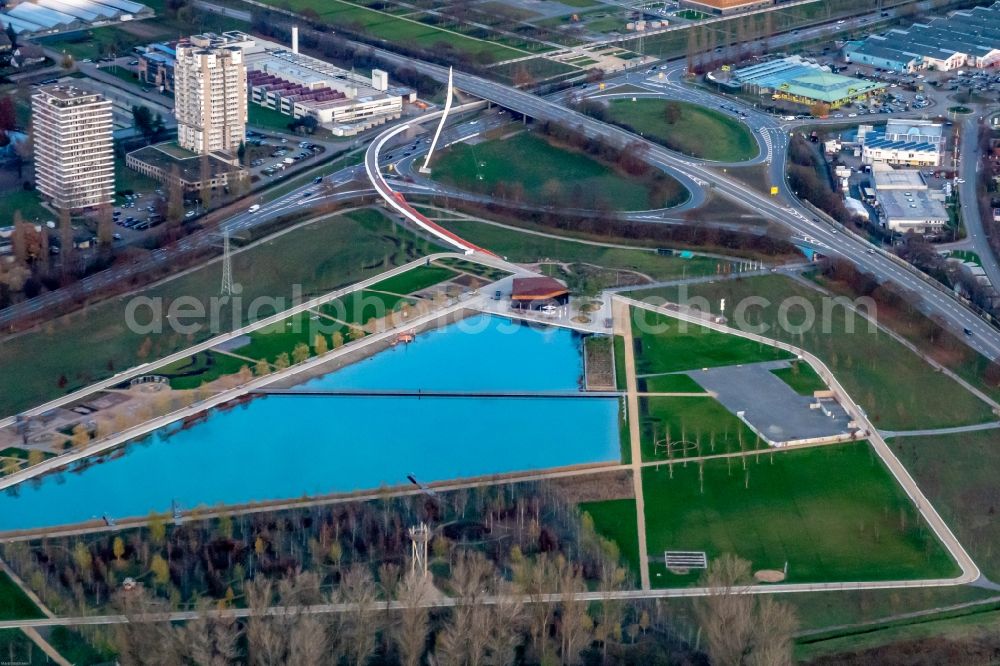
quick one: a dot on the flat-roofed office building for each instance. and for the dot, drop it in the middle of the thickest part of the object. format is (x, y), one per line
(74, 152)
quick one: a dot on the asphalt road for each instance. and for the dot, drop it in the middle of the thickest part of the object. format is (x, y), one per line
(968, 170)
(931, 297)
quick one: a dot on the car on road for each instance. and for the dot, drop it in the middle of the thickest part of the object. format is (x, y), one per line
(254, 208)
(968, 331)
(190, 213)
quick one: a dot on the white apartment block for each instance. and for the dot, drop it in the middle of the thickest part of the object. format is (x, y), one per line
(74, 152)
(210, 92)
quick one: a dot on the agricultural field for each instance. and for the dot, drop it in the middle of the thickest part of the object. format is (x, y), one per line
(879, 373)
(689, 128)
(499, 168)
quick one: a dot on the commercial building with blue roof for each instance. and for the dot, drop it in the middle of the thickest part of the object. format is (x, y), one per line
(969, 38)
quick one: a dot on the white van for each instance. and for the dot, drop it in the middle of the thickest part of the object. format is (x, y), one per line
(254, 208)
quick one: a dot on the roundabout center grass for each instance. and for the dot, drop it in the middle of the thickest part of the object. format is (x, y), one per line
(528, 168)
(834, 513)
(698, 131)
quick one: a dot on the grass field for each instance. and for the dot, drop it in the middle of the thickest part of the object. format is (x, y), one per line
(669, 384)
(832, 513)
(529, 248)
(192, 372)
(29, 203)
(703, 425)
(129, 180)
(414, 280)
(401, 31)
(528, 168)
(14, 604)
(261, 117)
(320, 257)
(976, 626)
(801, 377)
(958, 474)
(699, 131)
(883, 376)
(664, 344)
(616, 520)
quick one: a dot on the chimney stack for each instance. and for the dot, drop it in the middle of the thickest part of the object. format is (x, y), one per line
(295, 39)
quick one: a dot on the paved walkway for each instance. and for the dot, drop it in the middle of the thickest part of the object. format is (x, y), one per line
(623, 327)
(941, 431)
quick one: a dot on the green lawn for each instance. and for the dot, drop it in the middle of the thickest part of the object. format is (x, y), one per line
(677, 383)
(192, 372)
(976, 626)
(259, 116)
(129, 180)
(401, 31)
(415, 280)
(616, 520)
(320, 257)
(14, 604)
(28, 202)
(696, 426)
(486, 272)
(664, 344)
(699, 131)
(522, 247)
(528, 168)
(282, 337)
(883, 376)
(832, 513)
(958, 475)
(801, 377)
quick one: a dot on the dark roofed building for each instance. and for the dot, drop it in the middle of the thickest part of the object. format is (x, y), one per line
(536, 292)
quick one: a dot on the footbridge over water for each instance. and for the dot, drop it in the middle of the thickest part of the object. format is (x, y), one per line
(419, 393)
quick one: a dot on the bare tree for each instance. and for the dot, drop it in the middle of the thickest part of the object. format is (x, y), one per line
(575, 624)
(464, 640)
(358, 589)
(211, 641)
(141, 641)
(506, 622)
(773, 628)
(410, 633)
(267, 642)
(726, 614)
(308, 641)
(534, 578)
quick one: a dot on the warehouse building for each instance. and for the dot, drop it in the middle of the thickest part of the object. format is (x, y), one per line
(969, 38)
(803, 81)
(46, 16)
(915, 211)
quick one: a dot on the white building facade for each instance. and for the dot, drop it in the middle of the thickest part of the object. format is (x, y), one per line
(74, 151)
(210, 92)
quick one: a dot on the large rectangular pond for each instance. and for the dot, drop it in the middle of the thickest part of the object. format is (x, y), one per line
(289, 446)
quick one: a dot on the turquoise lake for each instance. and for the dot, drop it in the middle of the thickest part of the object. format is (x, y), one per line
(288, 446)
